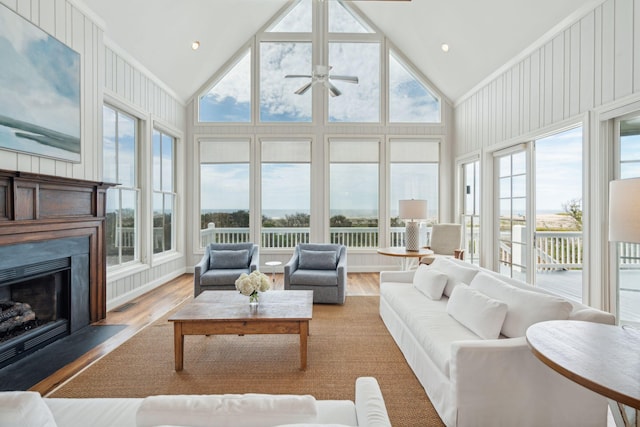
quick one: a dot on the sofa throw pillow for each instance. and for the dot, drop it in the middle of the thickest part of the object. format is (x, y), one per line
(229, 259)
(24, 409)
(479, 313)
(317, 260)
(430, 282)
(456, 273)
(525, 307)
(238, 410)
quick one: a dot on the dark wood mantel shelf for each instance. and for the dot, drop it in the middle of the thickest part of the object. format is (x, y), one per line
(36, 208)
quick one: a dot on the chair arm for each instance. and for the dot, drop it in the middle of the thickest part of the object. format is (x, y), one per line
(255, 259)
(199, 270)
(289, 268)
(370, 408)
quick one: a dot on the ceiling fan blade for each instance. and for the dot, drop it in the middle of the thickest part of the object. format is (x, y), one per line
(304, 88)
(289, 76)
(350, 79)
(333, 91)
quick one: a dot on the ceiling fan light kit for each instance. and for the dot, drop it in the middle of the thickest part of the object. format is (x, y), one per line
(321, 74)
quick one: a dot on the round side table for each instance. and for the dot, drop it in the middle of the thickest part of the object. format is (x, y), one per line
(273, 265)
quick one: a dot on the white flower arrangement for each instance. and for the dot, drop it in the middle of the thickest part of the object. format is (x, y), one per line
(251, 284)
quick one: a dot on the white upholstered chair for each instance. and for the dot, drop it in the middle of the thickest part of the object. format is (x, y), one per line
(445, 241)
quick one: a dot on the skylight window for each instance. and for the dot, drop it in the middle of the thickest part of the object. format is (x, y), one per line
(298, 20)
(229, 100)
(409, 99)
(341, 20)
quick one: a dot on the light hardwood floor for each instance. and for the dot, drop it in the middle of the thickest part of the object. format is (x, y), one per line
(151, 306)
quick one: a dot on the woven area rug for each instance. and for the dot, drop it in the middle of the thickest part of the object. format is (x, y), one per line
(346, 342)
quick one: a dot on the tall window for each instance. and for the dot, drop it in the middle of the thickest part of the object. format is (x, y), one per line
(164, 196)
(224, 191)
(512, 192)
(286, 193)
(471, 210)
(120, 142)
(353, 189)
(414, 175)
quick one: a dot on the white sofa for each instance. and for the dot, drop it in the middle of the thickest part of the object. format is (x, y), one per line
(461, 329)
(28, 409)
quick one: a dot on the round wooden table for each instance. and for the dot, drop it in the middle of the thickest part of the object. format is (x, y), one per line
(602, 358)
(407, 258)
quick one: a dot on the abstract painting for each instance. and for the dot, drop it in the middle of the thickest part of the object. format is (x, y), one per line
(39, 91)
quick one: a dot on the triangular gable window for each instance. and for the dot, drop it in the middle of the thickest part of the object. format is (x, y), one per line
(298, 20)
(229, 100)
(410, 101)
(342, 20)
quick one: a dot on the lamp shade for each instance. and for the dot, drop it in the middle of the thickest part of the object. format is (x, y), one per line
(413, 209)
(624, 210)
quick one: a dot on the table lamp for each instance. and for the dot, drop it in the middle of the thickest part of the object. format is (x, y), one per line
(412, 210)
(624, 210)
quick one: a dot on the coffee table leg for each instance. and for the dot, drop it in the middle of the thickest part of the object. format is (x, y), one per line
(304, 333)
(178, 343)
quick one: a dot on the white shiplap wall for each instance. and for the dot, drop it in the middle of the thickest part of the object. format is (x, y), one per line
(103, 70)
(591, 63)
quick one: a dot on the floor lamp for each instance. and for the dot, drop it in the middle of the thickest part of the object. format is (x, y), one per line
(412, 210)
(624, 226)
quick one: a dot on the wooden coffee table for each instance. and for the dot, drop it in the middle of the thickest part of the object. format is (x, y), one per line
(228, 313)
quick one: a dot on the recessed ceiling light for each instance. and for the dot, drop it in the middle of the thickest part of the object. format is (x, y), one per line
(195, 45)
(445, 47)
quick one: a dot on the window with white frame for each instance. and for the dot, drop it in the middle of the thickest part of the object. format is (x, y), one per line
(414, 171)
(354, 192)
(229, 100)
(120, 165)
(286, 193)
(224, 191)
(164, 196)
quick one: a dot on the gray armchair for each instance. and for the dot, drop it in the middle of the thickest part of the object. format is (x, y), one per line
(222, 264)
(321, 268)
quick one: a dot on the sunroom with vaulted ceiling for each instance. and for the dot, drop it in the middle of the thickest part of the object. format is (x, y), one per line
(312, 132)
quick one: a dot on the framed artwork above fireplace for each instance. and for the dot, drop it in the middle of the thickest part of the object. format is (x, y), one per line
(39, 91)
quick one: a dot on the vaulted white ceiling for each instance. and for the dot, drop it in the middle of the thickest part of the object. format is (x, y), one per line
(483, 35)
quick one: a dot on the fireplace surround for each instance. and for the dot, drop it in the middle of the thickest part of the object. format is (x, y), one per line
(52, 241)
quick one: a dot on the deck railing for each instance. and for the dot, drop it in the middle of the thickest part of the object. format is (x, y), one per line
(555, 250)
(360, 237)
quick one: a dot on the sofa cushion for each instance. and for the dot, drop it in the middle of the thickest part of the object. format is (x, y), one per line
(476, 311)
(430, 282)
(456, 273)
(225, 276)
(229, 259)
(314, 277)
(317, 260)
(247, 410)
(524, 307)
(24, 409)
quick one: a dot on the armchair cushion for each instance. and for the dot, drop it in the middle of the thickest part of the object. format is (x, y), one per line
(314, 277)
(223, 259)
(317, 260)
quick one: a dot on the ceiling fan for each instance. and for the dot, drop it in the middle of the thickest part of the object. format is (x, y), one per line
(321, 75)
